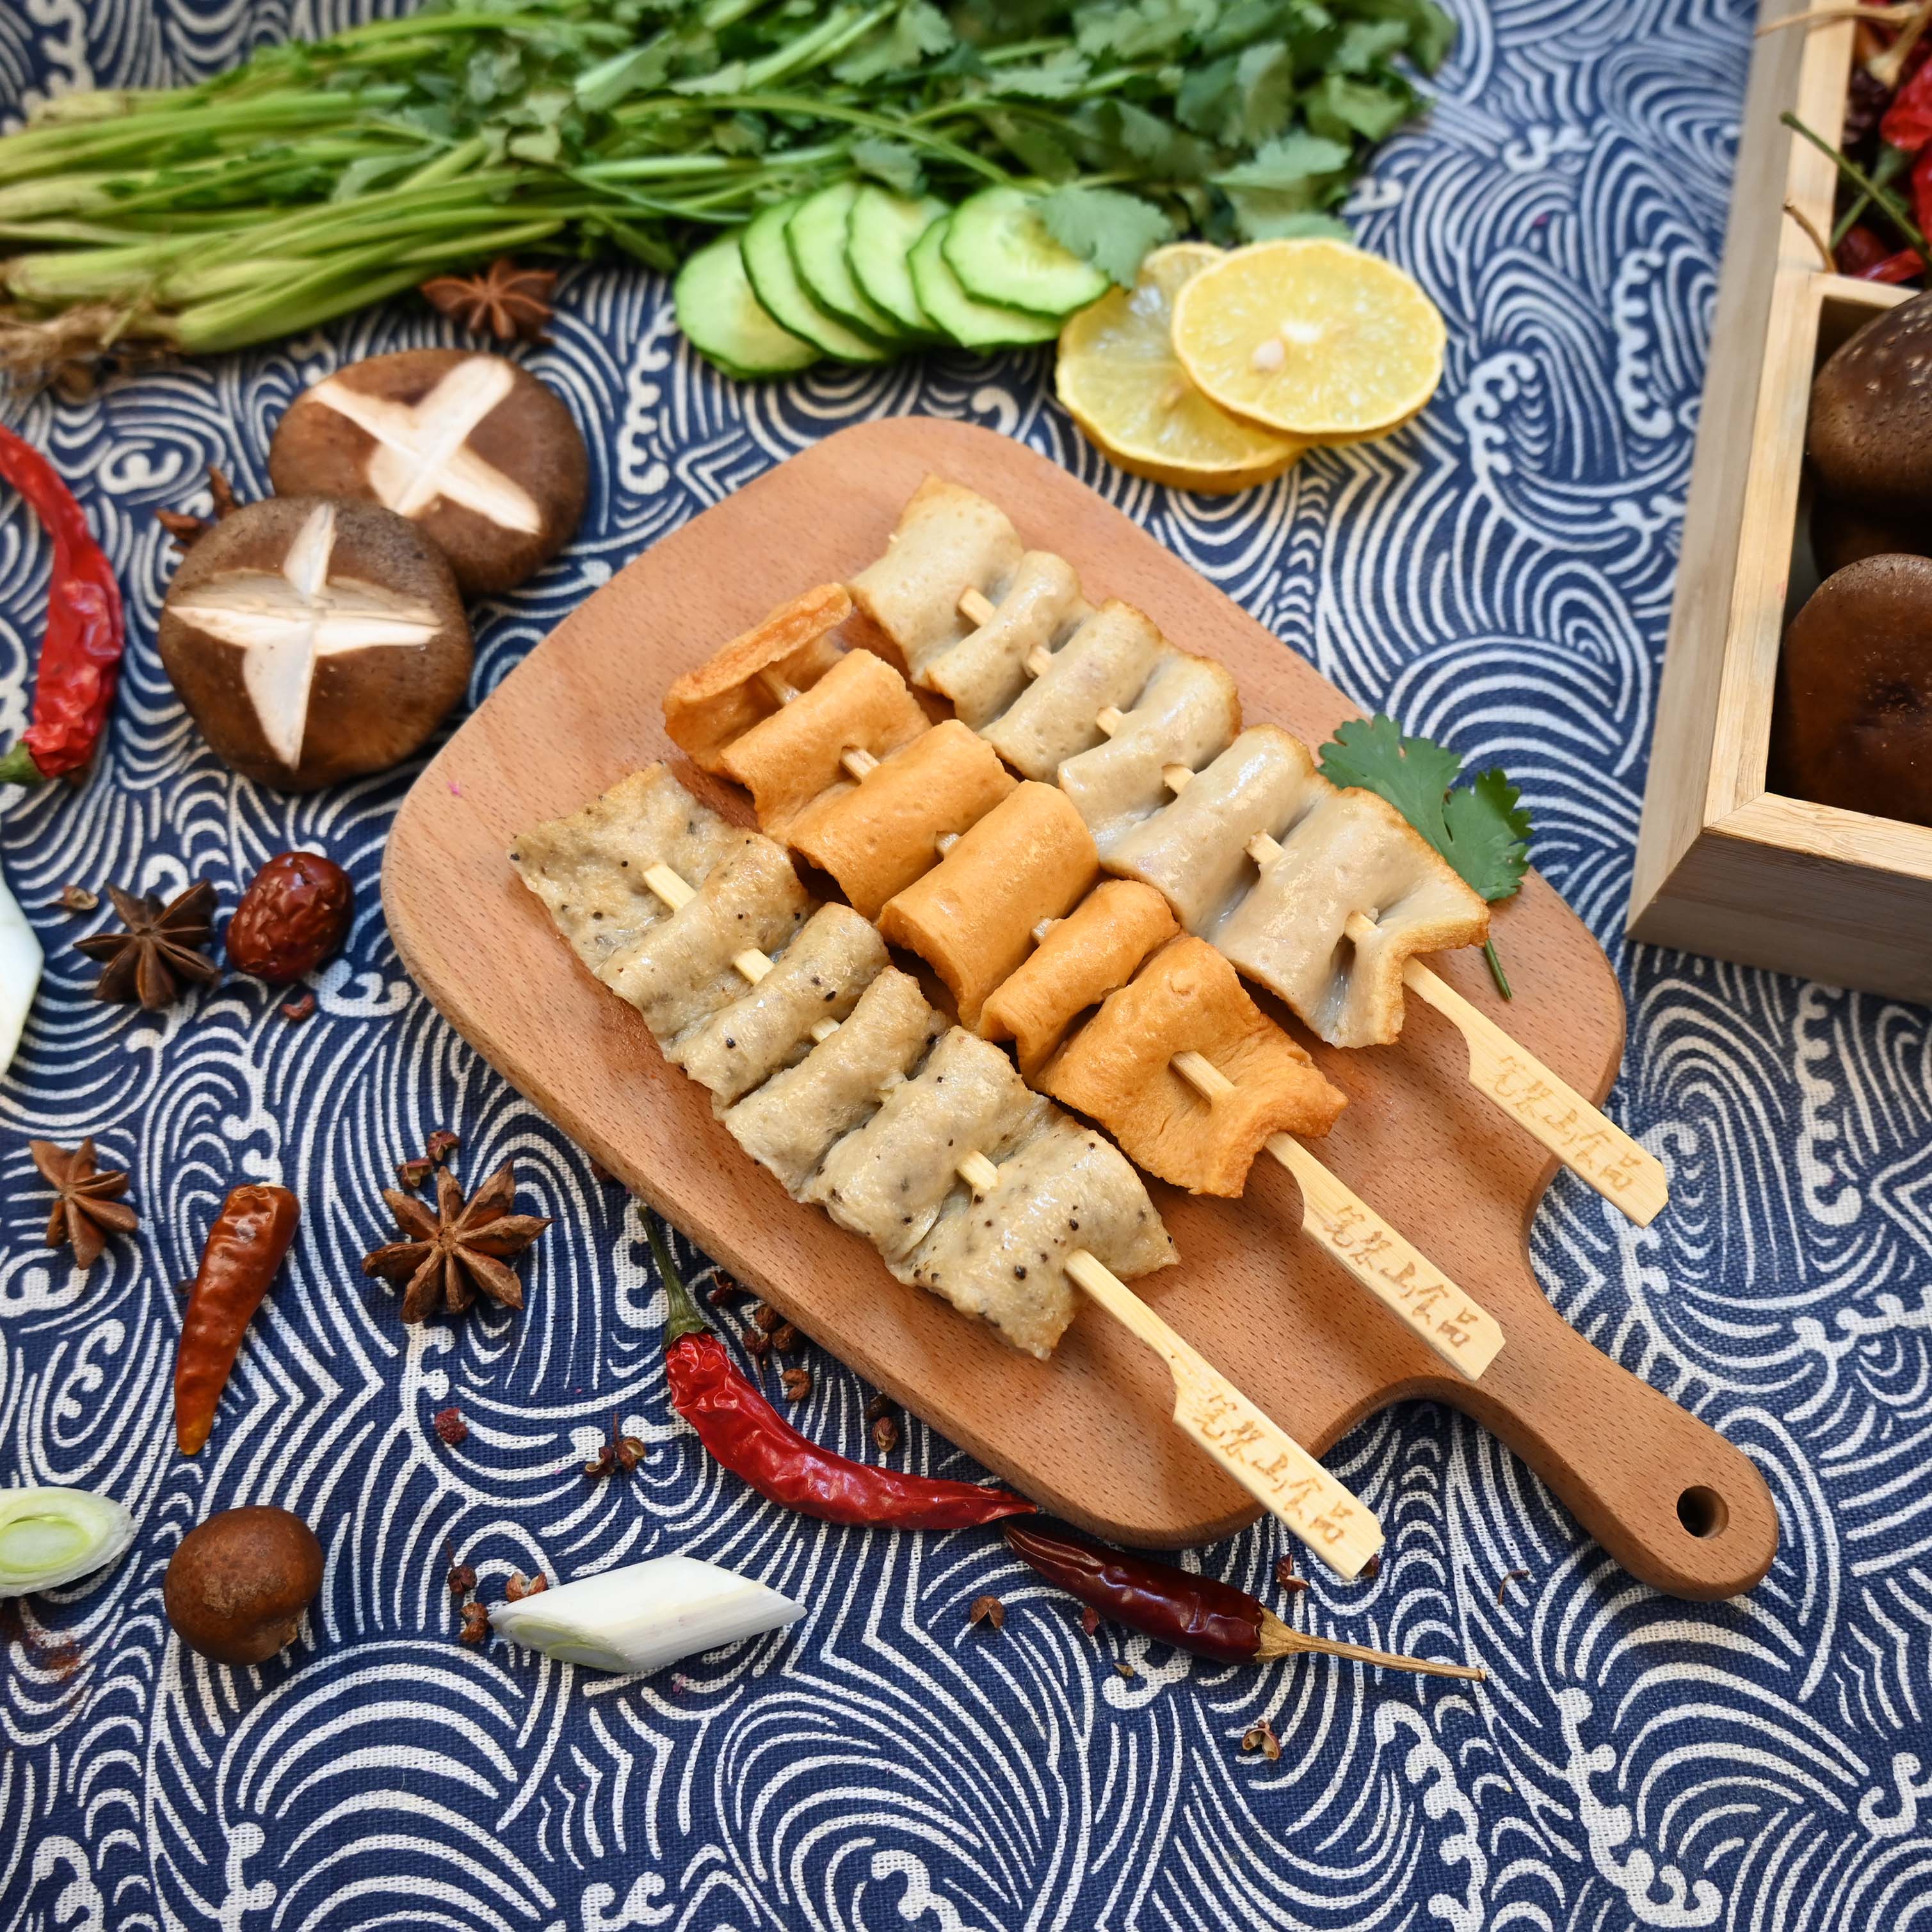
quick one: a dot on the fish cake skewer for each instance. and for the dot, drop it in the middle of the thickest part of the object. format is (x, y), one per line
(1049, 1167)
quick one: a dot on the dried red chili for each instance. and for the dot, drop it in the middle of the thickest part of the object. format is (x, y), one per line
(1194, 1613)
(80, 653)
(1907, 122)
(244, 1248)
(745, 1433)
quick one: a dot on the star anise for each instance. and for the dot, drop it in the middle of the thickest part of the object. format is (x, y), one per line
(457, 1249)
(508, 301)
(85, 1205)
(185, 527)
(160, 948)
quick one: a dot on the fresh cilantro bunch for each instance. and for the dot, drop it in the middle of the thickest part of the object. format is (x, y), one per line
(1481, 830)
(318, 176)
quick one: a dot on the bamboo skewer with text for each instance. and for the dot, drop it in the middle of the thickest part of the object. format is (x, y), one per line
(1262, 1457)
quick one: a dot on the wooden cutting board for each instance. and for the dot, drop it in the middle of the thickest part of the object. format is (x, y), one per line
(1087, 1434)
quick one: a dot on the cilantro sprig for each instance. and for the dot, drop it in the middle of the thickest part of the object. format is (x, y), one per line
(320, 176)
(1481, 829)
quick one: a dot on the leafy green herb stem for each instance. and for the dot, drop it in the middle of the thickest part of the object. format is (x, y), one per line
(1894, 209)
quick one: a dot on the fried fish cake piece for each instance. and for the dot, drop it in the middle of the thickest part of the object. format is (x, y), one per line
(1002, 1255)
(820, 977)
(948, 540)
(1097, 947)
(791, 1123)
(1106, 662)
(588, 867)
(708, 708)
(877, 837)
(794, 758)
(1119, 1070)
(972, 917)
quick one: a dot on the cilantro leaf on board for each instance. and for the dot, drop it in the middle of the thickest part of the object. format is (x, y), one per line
(1101, 225)
(1482, 830)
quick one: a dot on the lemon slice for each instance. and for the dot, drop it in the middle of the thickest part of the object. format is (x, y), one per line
(1119, 378)
(1310, 338)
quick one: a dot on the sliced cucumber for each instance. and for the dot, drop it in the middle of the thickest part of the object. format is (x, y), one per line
(973, 324)
(724, 320)
(815, 234)
(878, 241)
(776, 283)
(999, 247)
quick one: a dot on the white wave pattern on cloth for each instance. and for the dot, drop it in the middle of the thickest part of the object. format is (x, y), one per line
(1501, 574)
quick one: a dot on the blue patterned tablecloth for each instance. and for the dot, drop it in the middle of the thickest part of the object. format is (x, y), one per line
(1500, 575)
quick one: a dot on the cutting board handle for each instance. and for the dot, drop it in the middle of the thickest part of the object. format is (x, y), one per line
(1677, 1505)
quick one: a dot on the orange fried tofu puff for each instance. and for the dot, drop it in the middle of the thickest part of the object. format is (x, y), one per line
(1117, 1069)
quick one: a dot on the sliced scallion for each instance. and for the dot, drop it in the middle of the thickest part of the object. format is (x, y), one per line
(50, 1537)
(643, 1615)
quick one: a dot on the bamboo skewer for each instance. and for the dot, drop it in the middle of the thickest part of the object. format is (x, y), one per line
(1261, 1456)
(1419, 1294)
(1584, 1138)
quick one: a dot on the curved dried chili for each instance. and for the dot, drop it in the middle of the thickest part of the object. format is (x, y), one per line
(1193, 1613)
(748, 1437)
(80, 654)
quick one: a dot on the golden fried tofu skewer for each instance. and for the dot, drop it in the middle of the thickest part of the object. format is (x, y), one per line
(1427, 1300)
(1584, 1138)
(1261, 1456)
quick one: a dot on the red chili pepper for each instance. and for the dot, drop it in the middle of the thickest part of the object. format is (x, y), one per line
(80, 655)
(244, 1248)
(1193, 1613)
(1900, 268)
(1907, 122)
(1862, 251)
(744, 1432)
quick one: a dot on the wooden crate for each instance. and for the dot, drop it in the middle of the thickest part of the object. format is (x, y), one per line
(1724, 865)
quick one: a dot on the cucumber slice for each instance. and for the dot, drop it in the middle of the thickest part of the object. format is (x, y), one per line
(999, 248)
(722, 318)
(815, 234)
(878, 240)
(776, 283)
(973, 324)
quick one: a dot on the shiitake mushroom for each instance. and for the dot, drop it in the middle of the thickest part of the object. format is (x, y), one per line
(1870, 435)
(481, 456)
(238, 1584)
(313, 639)
(1853, 726)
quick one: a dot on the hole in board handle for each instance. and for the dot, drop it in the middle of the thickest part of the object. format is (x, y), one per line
(1702, 1511)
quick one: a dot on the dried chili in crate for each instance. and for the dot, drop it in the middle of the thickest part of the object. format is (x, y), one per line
(744, 1433)
(244, 1248)
(1193, 1613)
(80, 654)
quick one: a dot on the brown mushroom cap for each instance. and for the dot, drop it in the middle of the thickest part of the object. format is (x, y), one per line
(369, 705)
(1871, 430)
(238, 1584)
(481, 456)
(1853, 724)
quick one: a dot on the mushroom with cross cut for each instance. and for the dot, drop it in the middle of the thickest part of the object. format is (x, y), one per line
(313, 639)
(474, 450)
